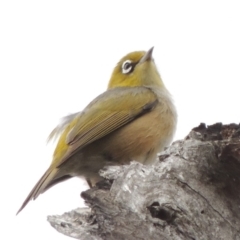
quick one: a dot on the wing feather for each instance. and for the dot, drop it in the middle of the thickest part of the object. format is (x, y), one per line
(106, 114)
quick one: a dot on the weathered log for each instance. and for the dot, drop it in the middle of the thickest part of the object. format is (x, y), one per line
(191, 192)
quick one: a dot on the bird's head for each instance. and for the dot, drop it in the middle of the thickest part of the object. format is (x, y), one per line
(136, 69)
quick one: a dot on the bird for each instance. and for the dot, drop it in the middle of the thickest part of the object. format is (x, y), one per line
(133, 120)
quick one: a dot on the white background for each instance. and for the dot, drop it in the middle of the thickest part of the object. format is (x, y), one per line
(56, 56)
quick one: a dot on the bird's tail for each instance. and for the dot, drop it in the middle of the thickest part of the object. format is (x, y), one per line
(49, 179)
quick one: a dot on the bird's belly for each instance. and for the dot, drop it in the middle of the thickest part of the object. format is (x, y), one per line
(139, 140)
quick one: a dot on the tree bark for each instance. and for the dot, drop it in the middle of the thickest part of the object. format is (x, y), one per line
(191, 192)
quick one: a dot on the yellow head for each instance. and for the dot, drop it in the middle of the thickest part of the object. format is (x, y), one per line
(136, 69)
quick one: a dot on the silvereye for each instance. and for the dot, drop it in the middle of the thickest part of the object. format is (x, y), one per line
(133, 120)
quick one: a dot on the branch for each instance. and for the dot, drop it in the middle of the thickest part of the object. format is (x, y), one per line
(191, 192)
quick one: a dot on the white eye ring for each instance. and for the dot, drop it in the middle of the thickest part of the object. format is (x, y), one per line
(127, 66)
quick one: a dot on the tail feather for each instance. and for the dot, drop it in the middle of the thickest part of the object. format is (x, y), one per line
(43, 184)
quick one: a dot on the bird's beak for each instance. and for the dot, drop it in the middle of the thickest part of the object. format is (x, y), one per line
(147, 56)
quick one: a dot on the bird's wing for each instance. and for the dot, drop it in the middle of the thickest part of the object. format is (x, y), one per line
(106, 113)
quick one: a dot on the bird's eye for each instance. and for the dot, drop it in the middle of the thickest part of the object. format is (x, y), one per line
(127, 67)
